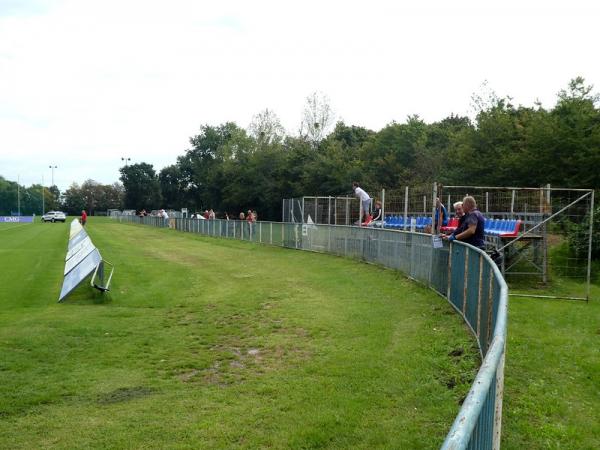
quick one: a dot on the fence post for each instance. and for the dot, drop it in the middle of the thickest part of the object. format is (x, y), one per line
(347, 212)
(512, 204)
(405, 206)
(302, 221)
(498, 401)
(479, 296)
(464, 308)
(434, 210)
(449, 271)
(335, 211)
(382, 208)
(589, 261)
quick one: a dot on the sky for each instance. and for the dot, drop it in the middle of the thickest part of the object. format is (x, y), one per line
(84, 84)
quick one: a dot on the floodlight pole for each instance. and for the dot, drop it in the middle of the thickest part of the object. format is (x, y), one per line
(52, 167)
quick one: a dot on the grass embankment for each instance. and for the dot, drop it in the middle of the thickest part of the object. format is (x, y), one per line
(552, 391)
(208, 343)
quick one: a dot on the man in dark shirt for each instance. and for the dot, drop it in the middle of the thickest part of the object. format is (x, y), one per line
(471, 230)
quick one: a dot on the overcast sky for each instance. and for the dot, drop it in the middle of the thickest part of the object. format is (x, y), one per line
(85, 83)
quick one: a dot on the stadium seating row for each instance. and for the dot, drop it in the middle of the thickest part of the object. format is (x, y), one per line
(502, 228)
(493, 227)
(398, 222)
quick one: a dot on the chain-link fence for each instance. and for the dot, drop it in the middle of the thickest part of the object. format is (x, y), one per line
(543, 235)
(321, 210)
(466, 276)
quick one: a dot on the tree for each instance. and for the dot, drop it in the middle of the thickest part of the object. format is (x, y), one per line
(266, 128)
(74, 201)
(172, 186)
(142, 188)
(202, 166)
(317, 118)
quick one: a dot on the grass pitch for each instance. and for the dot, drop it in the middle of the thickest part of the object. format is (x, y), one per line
(207, 343)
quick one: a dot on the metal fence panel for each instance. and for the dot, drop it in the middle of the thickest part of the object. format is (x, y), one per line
(466, 276)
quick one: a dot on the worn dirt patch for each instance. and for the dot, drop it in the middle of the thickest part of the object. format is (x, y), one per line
(188, 376)
(125, 394)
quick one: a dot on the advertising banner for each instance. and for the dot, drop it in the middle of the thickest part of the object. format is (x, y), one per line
(16, 219)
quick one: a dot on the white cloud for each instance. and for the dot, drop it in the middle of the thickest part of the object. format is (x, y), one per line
(84, 83)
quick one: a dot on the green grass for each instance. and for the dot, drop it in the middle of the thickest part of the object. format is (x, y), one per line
(207, 343)
(552, 374)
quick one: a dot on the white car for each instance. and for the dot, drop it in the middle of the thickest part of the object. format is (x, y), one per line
(54, 216)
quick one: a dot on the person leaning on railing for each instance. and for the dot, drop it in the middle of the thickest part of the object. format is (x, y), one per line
(472, 229)
(365, 201)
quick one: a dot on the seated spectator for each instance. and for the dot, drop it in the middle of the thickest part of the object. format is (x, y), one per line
(376, 212)
(471, 230)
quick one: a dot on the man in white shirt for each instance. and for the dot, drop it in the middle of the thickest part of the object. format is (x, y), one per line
(365, 201)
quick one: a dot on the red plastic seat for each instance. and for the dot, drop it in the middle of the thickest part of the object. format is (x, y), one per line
(514, 232)
(452, 225)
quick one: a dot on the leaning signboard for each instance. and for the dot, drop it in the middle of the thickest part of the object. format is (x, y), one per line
(82, 260)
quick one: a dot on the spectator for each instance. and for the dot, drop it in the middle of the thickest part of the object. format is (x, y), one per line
(376, 216)
(226, 216)
(459, 213)
(458, 210)
(211, 214)
(365, 201)
(83, 218)
(250, 220)
(254, 216)
(471, 230)
(206, 214)
(242, 216)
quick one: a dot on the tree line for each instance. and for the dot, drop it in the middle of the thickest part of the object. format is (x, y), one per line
(37, 199)
(230, 169)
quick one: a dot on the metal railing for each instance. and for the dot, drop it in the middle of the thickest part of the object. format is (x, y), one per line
(465, 275)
